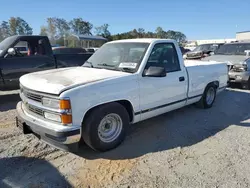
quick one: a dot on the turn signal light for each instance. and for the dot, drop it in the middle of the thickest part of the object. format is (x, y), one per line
(66, 118)
(65, 104)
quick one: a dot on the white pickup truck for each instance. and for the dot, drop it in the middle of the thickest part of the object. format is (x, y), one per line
(124, 82)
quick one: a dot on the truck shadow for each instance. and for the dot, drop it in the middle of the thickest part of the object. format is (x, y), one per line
(30, 172)
(180, 128)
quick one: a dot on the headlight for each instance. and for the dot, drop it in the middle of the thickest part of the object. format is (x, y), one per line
(64, 116)
(53, 117)
(51, 103)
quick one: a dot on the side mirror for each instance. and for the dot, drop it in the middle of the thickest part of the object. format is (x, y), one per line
(155, 72)
(11, 51)
(247, 52)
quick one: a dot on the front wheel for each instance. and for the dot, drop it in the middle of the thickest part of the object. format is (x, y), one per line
(208, 97)
(246, 85)
(105, 127)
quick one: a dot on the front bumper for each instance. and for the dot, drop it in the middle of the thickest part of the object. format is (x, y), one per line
(238, 77)
(67, 139)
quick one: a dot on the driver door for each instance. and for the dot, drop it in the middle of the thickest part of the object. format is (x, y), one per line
(162, 94)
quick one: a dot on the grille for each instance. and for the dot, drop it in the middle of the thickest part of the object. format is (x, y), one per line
(31, 96)
(34, 109)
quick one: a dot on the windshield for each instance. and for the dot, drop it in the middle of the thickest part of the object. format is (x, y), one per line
(233, 49)
(5, 43)
(125, 56)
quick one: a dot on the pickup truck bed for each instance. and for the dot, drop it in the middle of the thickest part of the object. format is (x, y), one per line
(97, 101)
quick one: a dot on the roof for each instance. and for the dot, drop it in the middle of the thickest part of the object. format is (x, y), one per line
(235, 43)
(90, 37)
(143, 40)
(243, 32)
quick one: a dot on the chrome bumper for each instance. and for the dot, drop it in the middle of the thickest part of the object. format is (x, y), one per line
(67, 139)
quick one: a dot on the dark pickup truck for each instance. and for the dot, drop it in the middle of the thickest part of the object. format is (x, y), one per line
(38, 57)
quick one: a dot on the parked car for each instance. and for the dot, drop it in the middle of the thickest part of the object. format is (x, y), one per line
(91, 49)
(39, 56)
(237, 57)
(184, 50)
(67, 50)
(203, 50)
(125, 81)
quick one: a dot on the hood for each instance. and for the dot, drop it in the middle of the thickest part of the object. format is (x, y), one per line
(57, 80)
(229, 59)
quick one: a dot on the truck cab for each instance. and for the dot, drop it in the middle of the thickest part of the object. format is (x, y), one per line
(15, 63)
(20, 55)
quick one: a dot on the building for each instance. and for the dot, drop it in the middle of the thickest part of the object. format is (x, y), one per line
(192, 44)
(243, 36)
(84, 41)
(216, 41)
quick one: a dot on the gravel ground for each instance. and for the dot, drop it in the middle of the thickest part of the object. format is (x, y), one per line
(189, 147)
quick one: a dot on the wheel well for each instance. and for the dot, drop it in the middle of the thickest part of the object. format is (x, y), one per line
(215, 83)
(126, 104)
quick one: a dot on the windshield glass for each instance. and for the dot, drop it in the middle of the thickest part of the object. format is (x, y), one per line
(233, 49)
(5, 43)
(125, 56)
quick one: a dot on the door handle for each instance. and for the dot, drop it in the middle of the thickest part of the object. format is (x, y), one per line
(181, 79)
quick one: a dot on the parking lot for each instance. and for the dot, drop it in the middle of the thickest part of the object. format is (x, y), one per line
(189, 147)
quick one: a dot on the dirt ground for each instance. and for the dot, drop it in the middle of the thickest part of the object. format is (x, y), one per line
(189, 147)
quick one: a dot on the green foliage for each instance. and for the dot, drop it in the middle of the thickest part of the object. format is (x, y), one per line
(60, 30)
(81, 27)
(103, 31)
(159, 33)
(14, 26)
(4, 30)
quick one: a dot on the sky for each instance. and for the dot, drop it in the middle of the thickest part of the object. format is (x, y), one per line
(197, 19)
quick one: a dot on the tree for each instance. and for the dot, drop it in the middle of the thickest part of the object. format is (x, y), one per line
(62, 26)
(23, 27)
(19, 26)
(176, 35)
(81, 27)
(4, 30)
(103, 31)
(141, 32)
(43, 31)
(51, 29)
(160, 33)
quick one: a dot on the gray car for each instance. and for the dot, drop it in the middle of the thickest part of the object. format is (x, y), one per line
(237, 57)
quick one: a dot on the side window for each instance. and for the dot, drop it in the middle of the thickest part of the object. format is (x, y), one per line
(164, 55)
(22, 48)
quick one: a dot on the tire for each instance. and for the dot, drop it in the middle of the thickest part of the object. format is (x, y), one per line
(246, 85)
(204, 101)
(95, 127)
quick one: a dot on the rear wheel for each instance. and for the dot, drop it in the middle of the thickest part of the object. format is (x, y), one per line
(105, 127)
(208, 97)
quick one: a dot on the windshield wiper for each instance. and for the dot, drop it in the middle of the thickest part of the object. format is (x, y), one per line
(106, 65)
(125, 69)
(90, 63)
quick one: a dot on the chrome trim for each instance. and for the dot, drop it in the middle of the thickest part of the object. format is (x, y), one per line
(38, 126)
(39, 105)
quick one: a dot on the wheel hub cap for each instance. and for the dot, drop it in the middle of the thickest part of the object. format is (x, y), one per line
(110, 128)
